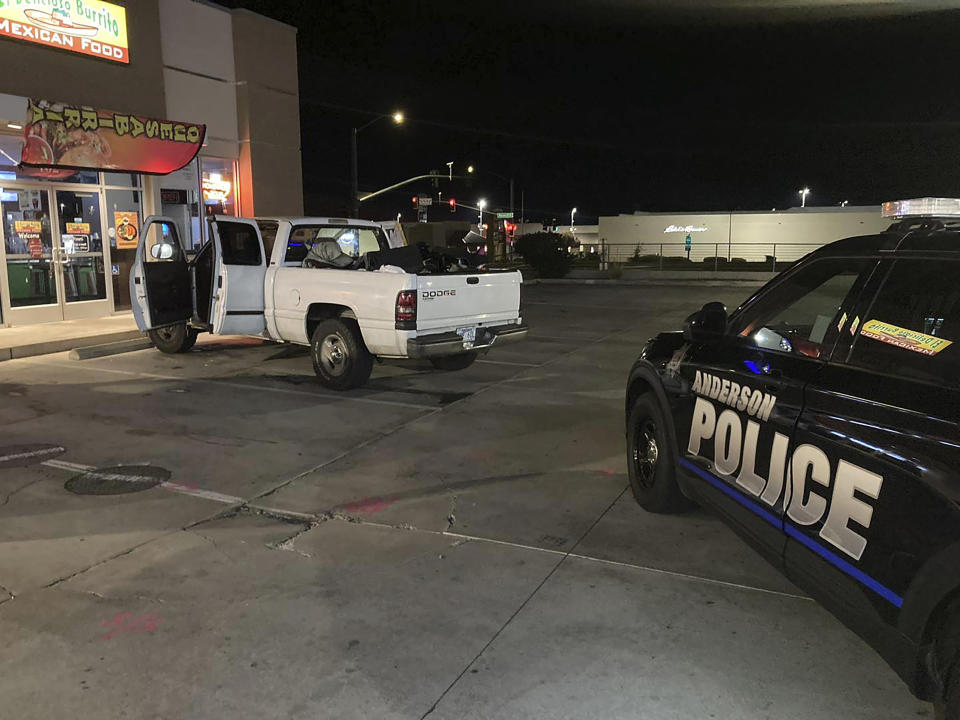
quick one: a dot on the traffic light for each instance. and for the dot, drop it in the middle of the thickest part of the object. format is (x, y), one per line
(416, 202)
(452, 202)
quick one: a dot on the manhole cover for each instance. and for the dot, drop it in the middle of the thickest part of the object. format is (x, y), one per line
(117, 480)
(22, 455)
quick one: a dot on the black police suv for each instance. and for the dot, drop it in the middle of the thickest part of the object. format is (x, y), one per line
(820, 419)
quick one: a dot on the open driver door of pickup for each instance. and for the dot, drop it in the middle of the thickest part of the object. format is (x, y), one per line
(160, 281)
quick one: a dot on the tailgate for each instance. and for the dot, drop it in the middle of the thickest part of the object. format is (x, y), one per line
(447, 302)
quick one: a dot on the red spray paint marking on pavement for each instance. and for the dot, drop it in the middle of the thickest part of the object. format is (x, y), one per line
(129, 624)
(368, 506)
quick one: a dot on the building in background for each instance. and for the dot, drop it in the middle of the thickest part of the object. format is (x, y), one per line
(66, 251)
(748, 236)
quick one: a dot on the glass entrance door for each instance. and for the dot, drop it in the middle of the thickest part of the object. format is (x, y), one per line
(54, 254)
(79, 254)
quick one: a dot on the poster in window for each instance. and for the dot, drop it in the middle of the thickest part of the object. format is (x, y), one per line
(127, 225)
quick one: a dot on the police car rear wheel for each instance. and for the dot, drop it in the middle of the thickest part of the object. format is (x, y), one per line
(650, 464)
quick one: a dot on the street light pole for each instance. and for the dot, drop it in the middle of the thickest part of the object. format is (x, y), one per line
(398, 119)
(572, 213)
(803, 197)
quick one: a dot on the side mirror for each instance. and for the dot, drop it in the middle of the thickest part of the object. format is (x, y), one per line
(708, 324)
(162, 251)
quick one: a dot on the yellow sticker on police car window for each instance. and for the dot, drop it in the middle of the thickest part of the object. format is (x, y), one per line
(903, 338)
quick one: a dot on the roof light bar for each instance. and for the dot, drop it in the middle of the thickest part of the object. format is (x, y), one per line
(922, 207)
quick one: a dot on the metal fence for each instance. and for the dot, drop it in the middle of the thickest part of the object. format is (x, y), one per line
(769, 257)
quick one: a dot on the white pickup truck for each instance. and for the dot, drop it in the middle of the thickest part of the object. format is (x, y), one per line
(332, 284)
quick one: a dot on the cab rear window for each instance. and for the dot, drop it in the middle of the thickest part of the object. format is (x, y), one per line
(912, 329)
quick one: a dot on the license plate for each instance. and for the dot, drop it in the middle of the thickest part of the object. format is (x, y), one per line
(469, 335)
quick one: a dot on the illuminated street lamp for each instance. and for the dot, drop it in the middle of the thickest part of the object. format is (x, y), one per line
(398, 119)
(572, 213)
(481, 204)
(469, 168)
(803, 196)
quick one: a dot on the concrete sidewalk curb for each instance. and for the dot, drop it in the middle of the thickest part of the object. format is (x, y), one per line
(49, 347)
(114, 348)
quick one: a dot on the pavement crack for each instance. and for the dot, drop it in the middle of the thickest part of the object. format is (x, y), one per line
(452, 515)
(213, 543)
(6, 498)
(526, 602)
(287, 544)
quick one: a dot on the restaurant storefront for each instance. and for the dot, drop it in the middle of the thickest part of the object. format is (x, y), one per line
(77, 180)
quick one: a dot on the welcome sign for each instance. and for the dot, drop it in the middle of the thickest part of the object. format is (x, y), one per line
(88, 27)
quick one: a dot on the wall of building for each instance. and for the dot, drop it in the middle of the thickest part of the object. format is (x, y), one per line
(198, 71)
(268, 107)
(752, 236)
(36, 71)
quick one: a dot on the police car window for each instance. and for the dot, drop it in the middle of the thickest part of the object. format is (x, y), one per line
(353, 241)
(800, 314)
(912, 329)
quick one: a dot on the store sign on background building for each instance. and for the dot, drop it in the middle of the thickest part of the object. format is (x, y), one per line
(63, 136)
(685, 228)
(88, 27)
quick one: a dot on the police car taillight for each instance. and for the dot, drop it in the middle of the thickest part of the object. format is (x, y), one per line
(922, 207)
(406, 312)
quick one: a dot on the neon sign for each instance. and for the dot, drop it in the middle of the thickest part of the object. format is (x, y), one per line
(215, 188)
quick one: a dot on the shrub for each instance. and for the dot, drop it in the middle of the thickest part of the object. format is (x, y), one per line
(546, 253)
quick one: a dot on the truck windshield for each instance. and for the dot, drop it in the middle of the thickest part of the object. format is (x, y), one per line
(353, 240)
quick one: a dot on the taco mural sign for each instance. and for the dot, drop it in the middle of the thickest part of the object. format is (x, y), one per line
(85, 138)
(88, 27)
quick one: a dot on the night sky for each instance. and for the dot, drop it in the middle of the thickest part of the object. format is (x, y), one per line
(617, 105)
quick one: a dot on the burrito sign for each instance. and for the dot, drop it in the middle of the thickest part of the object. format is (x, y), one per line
(88, 27)
(83, 138)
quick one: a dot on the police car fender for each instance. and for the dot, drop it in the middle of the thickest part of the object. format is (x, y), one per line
(735, 446)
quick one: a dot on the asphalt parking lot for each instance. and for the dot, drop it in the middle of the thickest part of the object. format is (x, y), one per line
(443, 545)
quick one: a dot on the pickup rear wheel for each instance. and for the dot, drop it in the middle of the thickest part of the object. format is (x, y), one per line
(340, 359)
(650, 464)
(454, 362)
(173, 338)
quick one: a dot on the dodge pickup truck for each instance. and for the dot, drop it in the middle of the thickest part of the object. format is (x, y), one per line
(332, 284)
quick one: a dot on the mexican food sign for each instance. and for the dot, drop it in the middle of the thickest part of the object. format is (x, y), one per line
(85, 138)
(88, 27)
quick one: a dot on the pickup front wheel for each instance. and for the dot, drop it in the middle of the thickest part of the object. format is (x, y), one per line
(340, 359)
(173, 339)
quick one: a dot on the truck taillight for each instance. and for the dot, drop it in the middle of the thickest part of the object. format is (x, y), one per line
(520, 309)
(406, 315)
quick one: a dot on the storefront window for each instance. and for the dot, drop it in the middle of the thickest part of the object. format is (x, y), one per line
(121, 179)
(123, 229)
(218, 184)
(180, 200)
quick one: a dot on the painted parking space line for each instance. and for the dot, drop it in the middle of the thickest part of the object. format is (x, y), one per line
(166, 485)
(505, 362)
(31, 454)
(237, 385)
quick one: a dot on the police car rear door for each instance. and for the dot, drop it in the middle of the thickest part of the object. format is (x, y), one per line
(735, 429)
(882, 525)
